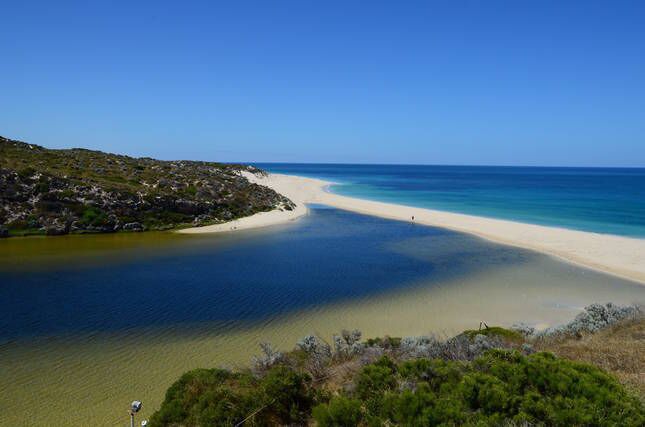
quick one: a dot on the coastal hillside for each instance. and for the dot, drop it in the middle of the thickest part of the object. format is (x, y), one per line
(53, 192)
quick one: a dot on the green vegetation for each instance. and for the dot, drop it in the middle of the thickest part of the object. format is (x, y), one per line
(218, 397)
(496, 331)
(45, 191)
(500, 386)
(384, 381)
(385, 342)
(618, 349)
(93, 216)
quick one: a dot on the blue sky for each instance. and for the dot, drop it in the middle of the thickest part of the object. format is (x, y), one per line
(464, 82)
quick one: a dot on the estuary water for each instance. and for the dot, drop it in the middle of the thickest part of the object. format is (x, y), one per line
(90, 323)
(602, 200)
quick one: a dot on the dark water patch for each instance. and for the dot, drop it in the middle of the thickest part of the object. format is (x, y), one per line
(327, 257)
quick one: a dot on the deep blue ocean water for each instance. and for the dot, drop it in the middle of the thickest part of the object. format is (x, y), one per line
(603, 200)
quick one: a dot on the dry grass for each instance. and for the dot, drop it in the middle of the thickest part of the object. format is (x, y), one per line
(339, 376)
(619, 349)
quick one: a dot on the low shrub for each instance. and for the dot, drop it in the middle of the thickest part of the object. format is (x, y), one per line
(340, 412)
(496, 331)
(93, 216)
(205, 397)
(499, 387)
(477, 378)
(385, 342)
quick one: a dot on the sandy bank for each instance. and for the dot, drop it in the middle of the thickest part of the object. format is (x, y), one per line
(621, 256)
(262, 219)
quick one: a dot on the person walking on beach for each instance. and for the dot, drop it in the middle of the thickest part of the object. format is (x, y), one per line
(412, 218)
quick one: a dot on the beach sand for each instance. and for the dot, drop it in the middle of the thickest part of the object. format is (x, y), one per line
(617, 255)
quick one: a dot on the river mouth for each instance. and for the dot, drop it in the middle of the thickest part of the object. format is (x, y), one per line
(93, 322)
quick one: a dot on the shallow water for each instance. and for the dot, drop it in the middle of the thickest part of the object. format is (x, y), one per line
(88, 324)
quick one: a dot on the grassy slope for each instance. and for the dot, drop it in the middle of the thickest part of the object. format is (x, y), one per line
(619, 349)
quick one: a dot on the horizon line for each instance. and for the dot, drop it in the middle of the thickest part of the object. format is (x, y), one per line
(438, 164)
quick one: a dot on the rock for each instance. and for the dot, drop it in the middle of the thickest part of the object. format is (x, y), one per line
(56, 230)
(133, 226)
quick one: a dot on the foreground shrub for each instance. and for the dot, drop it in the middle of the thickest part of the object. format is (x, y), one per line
(478, 377)
(340, 412)
(206, 397)
(499, 387)
(496, 331)
(287, 395)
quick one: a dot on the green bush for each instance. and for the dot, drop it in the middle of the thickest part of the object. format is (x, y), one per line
(288, 394)
(206, 397)
(496, 331)
(385, 342)
(190, 191)
(26, 173)
(375, 379)
(340, 412)
(501, 386)
(93, 216)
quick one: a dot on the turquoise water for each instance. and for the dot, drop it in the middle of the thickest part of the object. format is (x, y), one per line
(603, 200)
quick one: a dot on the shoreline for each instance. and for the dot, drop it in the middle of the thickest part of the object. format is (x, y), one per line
(616, 255)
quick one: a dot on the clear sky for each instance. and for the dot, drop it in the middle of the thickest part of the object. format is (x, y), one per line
(451, 82)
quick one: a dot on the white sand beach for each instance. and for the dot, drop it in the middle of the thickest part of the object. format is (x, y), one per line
(617, 255)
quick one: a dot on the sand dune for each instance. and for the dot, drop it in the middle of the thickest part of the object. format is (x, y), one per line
(621, 256)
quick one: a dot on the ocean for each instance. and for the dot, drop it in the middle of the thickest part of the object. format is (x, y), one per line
(601, 200)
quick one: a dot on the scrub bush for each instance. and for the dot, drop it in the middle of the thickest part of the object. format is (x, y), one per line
(205, 397)
(496, 331)
(340, 412)
(499, 387)
(478, 378)
(594, 318)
